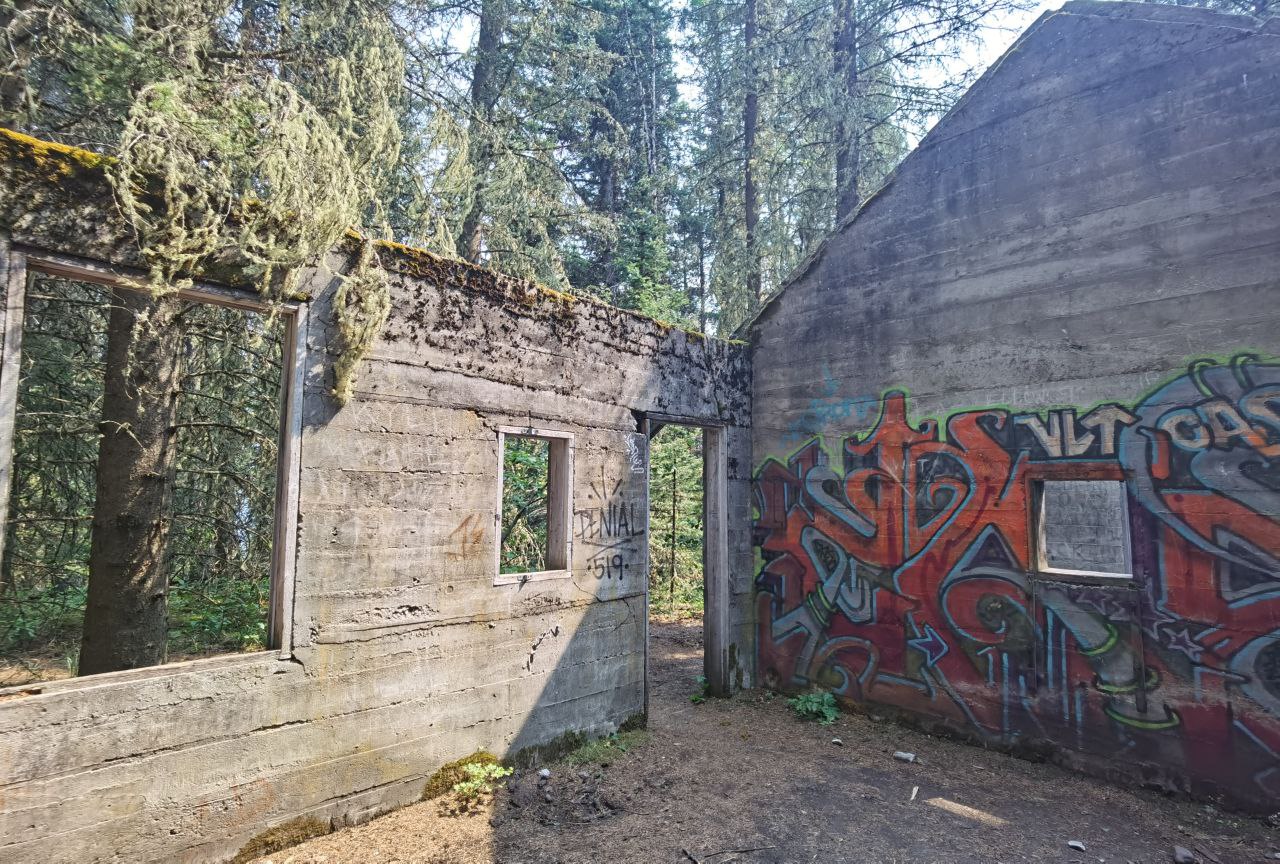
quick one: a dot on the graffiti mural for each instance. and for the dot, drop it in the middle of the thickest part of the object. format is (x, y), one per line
(897, 566)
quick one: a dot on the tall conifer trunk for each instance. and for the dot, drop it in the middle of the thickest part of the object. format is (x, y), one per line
(18, 32)
(484, 99)
(126, 617)
(846, 132)
(750, 121)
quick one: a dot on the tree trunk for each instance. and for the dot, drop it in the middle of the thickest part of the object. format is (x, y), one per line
(126, 617)
(702, 280)
(846, 133)
(484, 99)
(612, 277)
(20, 26)
(651, 124)
(750, 120)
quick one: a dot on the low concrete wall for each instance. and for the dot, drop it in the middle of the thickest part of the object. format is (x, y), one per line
(1074, 277)
(404, 654)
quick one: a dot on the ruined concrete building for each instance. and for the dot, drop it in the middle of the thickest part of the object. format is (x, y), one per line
(1003, 456)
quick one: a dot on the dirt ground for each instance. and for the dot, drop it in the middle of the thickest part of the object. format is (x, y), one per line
(34, 667)
(742, 780)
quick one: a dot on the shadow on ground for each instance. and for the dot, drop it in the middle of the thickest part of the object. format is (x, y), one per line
(742, 780)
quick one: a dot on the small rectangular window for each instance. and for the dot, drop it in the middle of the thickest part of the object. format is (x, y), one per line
(1083, 528)
(534, 505)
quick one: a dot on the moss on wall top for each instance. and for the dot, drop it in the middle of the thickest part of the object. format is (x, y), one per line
(45, 159)
(41, 175)
(58, 197)
(454, 273)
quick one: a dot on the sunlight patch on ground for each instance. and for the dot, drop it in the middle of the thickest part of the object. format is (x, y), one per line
(967, 812)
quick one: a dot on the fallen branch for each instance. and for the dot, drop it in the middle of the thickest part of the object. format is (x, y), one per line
(736, 851)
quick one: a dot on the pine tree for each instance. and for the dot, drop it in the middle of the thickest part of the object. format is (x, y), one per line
(620, 158)
(205, 106)
(807, 105)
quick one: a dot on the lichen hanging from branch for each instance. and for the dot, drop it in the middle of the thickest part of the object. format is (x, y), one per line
(360, 308)
(266, 162)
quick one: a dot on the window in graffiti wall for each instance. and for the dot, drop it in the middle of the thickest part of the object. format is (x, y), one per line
(140, 524)
(1084, 528)
(533, 512)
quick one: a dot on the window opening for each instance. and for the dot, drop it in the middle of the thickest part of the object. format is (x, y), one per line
(534, 505)
(1083, 528)
(145, 461)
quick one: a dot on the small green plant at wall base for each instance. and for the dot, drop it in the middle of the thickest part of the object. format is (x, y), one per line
(480, 778)
(450, 775)
(815, 706)
(602, 751)
(704, 690)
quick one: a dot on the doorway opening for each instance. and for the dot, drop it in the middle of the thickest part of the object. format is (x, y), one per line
(688, 555)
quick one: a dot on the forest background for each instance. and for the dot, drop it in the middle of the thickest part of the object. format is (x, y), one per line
(674, 157)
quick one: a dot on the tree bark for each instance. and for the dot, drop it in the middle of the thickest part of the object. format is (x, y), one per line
(484, 99)
(702, 279)
(20, 26)
(846, 133)
(750, 121)
(126, 617)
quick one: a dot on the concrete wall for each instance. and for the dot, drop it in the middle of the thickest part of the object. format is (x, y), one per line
(1074, 277)
(404, 653)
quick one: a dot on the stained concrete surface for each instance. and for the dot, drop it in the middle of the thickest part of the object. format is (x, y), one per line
(1091, 229)
(718, 778)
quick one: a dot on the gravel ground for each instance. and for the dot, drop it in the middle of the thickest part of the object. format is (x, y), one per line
(742, 780)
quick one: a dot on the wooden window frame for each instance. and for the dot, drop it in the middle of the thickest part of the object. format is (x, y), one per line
(1074, 473)
(22, 263)
(559, 505)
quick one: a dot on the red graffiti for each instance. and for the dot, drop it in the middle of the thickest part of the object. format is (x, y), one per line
(899, 568)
